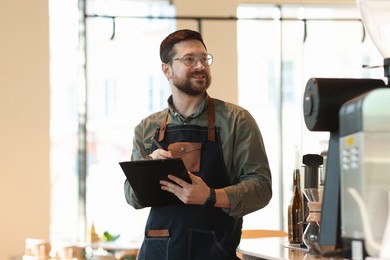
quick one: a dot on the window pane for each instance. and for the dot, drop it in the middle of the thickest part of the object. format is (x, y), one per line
(259, 88)
(64, 120)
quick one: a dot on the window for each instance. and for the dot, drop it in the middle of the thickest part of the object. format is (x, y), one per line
(277, 56)
(124, 82)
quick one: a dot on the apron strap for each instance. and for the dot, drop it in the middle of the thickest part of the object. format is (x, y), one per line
(163, 127)
(210, 118)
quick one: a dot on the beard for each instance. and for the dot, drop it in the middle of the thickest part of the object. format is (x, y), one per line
(185, 85)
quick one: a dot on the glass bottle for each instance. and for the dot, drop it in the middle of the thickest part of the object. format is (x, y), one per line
(94, 237)
(295, 212)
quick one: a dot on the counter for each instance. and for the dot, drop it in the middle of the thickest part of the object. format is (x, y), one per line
(271, 248)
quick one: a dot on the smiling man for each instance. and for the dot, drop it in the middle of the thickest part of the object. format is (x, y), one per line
(222, 148)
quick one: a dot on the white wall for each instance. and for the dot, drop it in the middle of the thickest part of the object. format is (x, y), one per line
(24, 128)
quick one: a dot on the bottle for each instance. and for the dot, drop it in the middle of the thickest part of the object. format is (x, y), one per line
(94, 237)
(295, 213)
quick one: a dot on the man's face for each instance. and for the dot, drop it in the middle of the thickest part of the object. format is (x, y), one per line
(191, 80)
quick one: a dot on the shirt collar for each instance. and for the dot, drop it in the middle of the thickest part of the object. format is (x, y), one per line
(202, 107)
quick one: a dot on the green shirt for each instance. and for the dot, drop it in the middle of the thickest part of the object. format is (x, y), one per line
(243, 151)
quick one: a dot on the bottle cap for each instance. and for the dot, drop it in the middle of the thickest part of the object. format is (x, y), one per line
(313, 160)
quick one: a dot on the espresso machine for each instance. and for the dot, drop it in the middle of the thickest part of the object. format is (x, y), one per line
(322, 101)
(356, 112)
(365, 167)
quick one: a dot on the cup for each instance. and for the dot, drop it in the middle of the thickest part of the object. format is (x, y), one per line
(37, 247)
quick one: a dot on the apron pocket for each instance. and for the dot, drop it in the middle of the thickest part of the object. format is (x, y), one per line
(211, 248)
(154, 248)
(189, 153)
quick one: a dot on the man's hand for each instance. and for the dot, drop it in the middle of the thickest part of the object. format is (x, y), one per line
(159, 154)
(195, 193)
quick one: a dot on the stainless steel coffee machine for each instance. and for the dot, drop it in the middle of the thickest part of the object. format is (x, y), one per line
(365, 167)
(323, 99)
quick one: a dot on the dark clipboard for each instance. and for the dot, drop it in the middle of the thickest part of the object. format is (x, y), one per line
(144, 177)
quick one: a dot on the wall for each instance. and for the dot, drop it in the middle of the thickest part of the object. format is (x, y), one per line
(24, 115)
(220, 39)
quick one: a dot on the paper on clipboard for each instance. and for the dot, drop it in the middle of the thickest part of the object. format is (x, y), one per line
(144, 177)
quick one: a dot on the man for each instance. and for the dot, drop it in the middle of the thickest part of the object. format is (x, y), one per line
(230, 173)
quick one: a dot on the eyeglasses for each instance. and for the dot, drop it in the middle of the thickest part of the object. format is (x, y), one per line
(191, 61)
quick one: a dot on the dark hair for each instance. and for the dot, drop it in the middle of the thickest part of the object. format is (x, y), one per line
(166, 47)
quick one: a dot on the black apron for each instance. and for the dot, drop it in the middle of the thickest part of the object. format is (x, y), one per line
(193, 232)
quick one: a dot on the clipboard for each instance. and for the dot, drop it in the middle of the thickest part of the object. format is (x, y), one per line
(144, 177)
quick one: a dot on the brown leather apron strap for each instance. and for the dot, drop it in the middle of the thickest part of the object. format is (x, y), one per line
(210, 117)
(163, 127)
